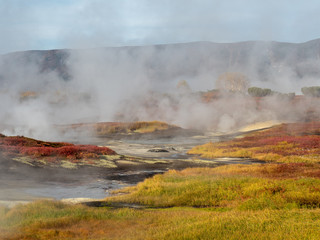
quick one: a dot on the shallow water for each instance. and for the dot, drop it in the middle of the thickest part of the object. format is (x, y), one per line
(96, 184)
(97, 189)
(23, 182)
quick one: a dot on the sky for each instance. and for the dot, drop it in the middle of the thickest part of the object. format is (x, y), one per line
(56, 24)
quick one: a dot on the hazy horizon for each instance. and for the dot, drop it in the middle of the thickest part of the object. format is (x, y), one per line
(160, 44)
(82, 24)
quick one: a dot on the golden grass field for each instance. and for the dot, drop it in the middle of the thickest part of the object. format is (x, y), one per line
(268, 201)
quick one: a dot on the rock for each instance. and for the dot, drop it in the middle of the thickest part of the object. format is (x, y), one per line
(158, 150)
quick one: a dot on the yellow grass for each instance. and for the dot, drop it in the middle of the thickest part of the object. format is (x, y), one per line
(134, 127)
(249, 187)
(263, 201)
(148, 127)
(50, 220)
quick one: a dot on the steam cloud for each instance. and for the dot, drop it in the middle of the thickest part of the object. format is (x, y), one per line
(139, 83)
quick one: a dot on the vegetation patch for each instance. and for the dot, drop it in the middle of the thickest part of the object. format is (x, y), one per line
(291, 142)
(108, 128)
(253, 202)
(249, 187)
(35, 152)
(148, 127)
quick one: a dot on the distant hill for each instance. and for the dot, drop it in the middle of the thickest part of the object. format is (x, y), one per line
(258, 60)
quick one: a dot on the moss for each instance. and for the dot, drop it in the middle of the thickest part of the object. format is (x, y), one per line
(68, 164)
(25, 160)
(105, 163)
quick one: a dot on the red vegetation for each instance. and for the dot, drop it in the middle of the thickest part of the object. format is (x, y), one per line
(286, 139)
(292, 142)
(12, 146)
(304, 136)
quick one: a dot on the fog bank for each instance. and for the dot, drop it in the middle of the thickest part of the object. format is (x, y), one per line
(40, 89)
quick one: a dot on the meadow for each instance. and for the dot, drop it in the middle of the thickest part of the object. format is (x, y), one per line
(276, 200)
(228, 202)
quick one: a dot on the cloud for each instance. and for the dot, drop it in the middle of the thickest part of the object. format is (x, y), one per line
(38, 24)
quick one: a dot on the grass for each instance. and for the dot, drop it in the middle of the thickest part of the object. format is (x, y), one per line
(52, 220)
(106, 128)
(148, 127)
(293, 142)
(272, 201)
(228, 187)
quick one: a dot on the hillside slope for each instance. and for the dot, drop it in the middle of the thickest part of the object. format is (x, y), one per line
(259, 60)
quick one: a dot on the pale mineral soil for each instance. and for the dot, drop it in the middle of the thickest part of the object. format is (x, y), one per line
(151, 154)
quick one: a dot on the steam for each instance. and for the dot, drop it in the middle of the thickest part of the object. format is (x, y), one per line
(140, 83)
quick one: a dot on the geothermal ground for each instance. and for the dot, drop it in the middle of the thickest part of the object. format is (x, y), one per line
(213, 188)
(139, 156)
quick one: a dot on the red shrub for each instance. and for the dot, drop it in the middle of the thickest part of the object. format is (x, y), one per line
(67, 151)
(38, 151)
(12, 146)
